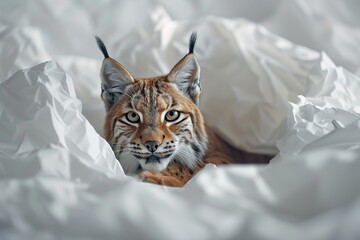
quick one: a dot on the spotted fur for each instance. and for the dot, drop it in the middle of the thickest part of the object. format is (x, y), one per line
(154, 124)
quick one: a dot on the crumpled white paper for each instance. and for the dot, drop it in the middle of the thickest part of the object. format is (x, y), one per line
(332, 106)
(308, 122)
(42, 127)
(60, 179)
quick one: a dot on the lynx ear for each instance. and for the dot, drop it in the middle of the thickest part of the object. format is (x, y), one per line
(114, 78)
(186, 74)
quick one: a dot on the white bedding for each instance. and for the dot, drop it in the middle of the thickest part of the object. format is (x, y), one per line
(60, 179)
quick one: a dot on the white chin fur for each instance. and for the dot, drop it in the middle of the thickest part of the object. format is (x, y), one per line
(155, 167)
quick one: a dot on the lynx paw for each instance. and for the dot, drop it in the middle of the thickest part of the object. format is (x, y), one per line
(158, 178)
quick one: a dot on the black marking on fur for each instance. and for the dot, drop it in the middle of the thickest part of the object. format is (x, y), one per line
(120, 135)
(196, 148)
(180, 131)
(137, 156)
(125, 123)
(128, 134)
(136, 148)
(168, 152)
(158, 88)
(166, 156)
(102, 47)
(192, 42)
(186, 130)
(142, 92)
(183, 119)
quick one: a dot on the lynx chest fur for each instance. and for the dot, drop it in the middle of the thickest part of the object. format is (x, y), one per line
(154, 124)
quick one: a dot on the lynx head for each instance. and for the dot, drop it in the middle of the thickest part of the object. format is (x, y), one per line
(153, 121)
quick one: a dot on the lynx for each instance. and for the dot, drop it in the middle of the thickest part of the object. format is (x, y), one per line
(155, 127)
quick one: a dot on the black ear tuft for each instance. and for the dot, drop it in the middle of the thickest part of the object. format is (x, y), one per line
(192, 42)
(101, 46)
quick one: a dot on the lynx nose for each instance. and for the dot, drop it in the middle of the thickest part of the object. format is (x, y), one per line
(152, 145)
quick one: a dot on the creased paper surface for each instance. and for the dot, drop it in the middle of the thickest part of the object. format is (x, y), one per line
(60, 179)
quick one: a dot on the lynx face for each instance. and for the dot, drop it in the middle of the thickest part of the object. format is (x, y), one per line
(153, 121)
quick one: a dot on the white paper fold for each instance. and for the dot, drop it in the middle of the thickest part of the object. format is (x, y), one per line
(60, 180)
(42, 126)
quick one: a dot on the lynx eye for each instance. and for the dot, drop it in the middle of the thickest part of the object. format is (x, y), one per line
(172, 115)
(132, 117)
